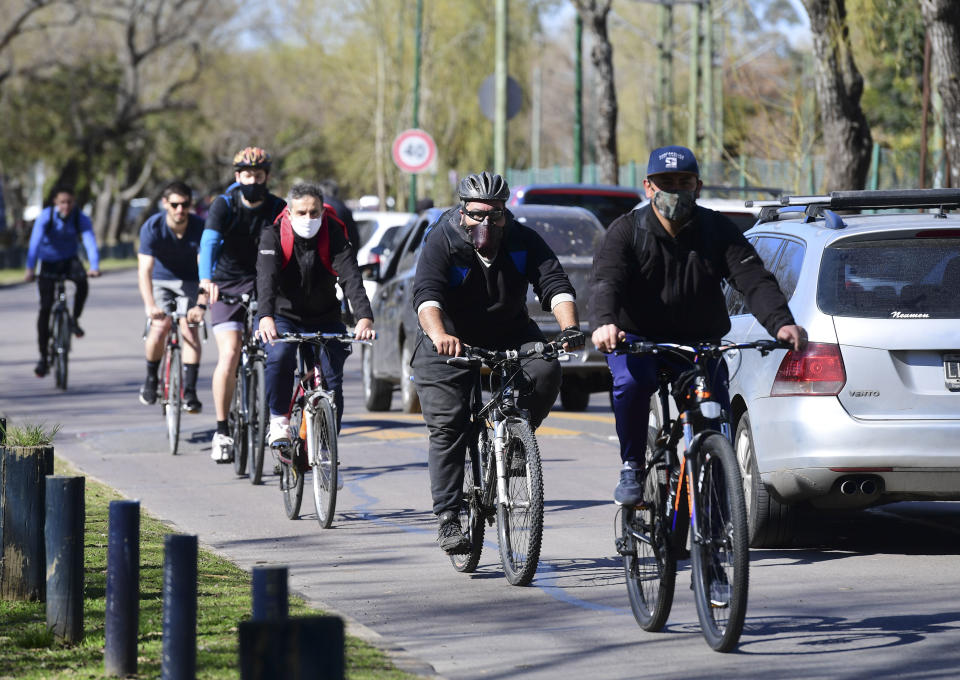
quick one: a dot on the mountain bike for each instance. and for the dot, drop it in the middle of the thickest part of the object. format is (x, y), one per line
(691, 499)
(313, 429)
(170, 389)
(61, 334)
(247, 419)
(503, 474)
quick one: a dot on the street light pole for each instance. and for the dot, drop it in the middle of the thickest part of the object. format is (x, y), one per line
(578, 105)
(500, 85)
(412, 202)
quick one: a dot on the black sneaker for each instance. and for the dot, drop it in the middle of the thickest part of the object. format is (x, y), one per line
(77, 331)
(450, 534)
(41, 369)
(190, 402)
(148, 391)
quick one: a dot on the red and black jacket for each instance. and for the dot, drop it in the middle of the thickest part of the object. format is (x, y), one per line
(308, 298)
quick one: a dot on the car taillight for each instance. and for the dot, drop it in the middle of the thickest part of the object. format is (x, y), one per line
(373, 258)
(817, 370)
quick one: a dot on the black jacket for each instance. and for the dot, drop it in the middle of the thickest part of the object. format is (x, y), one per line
(283, 291)
(487, 306)
(669, 289)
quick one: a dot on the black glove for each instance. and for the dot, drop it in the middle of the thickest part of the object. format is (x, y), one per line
(573, 337)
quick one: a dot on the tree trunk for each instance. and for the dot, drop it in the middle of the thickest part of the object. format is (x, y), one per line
(942, 18)
(594, 14)
(846, 133)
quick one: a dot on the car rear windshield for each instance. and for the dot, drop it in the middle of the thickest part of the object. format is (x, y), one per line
(568, 236)
(366, 228)
(607, 208)
(904, 278)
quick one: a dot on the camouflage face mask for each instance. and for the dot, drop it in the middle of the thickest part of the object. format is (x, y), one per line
(676, 206)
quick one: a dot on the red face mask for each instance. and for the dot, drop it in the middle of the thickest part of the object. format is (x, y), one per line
(486, 238)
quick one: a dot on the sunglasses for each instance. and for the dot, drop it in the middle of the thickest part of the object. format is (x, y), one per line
(481, 215)
(181, 204)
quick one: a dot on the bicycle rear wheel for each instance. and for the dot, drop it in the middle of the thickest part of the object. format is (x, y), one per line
(256, 420)
(649, 564)
(322, 454)
(471, 503)
(238, 426)
(720, 557)
(291, 477)
(520, 514)
(173, 396)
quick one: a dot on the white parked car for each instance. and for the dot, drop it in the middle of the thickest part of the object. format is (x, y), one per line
(869, 413)
(378, 237)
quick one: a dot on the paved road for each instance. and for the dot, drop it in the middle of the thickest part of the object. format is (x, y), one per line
(874, 595)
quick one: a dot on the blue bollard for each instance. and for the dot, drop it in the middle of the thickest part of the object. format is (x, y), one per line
(64, 524)
(307, 647)
(122, 623)
(269, 594)
(179, 607)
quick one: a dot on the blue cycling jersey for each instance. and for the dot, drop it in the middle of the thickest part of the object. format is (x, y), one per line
(54, 238)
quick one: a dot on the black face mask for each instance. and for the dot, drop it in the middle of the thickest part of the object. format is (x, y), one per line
(254, 192)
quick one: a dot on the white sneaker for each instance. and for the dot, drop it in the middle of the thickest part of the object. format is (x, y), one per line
(279, 429)
(222, 448)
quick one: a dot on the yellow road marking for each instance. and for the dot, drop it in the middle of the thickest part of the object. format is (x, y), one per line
(556, 431)
(394, 434)
(582, 416)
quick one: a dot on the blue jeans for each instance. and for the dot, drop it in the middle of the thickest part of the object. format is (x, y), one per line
(282, 362)
(635, 381)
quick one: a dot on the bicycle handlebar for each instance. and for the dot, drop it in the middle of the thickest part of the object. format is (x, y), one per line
(474, 356)
(710, 349)
(319, 338)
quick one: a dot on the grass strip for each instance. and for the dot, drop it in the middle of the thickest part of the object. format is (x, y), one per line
(28, 650)
(11, 276)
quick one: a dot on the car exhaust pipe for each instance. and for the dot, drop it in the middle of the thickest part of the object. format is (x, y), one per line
(848, 487)
(868, 487)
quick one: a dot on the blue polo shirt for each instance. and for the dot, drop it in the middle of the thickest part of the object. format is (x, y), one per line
(174, 258)
(54, 238)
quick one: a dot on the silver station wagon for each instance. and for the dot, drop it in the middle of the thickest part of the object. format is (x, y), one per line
(869, 413)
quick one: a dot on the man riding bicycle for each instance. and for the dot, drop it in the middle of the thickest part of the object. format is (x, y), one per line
(167, 270)
(302, 257)
(658, 276)
(228, 264)
(471, 287)
(53, 242)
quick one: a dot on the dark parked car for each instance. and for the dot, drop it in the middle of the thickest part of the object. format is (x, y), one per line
(606, 202)
(574, 234)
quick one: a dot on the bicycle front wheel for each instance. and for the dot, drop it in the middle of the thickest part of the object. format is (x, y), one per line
(291, 475)
(719, 554)
(256, 420)
(61, 349)
(649, 564)
(471, 502)
(173, 396)
(520, 513)
(322, 454)
(238, 427)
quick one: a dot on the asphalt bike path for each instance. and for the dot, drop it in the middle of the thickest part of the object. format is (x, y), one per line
(879, 599)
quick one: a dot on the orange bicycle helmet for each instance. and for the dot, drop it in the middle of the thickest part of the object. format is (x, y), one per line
(252, 157)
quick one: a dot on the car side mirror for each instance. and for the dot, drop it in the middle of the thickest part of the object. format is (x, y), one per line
(370, 271)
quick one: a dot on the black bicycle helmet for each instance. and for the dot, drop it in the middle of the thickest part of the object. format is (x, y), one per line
(484, 186)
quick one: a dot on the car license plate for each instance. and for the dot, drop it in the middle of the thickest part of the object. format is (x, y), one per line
(951, 371)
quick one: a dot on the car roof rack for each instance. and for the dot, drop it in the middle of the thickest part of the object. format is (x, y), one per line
(817, 206)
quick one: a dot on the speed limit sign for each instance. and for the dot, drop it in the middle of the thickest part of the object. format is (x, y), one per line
(414, 151)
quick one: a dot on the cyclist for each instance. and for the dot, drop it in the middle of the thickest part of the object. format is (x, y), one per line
(657, 276)
(53, 242)
(166, 270)
(303, 255)
(471, 287)
(228, 264)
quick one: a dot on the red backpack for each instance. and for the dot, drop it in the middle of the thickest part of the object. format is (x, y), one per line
(323, 236)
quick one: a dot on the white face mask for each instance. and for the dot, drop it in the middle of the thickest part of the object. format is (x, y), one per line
(305, 227)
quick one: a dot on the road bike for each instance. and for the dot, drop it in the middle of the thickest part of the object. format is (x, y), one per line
(170, 389)
(247, 419)
(61, 334)
(692, 501)
(503, 474)
(313, 432)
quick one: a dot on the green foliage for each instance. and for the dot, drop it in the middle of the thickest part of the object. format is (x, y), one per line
(31, 434)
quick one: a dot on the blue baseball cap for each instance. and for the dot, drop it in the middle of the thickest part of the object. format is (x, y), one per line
(672, 159)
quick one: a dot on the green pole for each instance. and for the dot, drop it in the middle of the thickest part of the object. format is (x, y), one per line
(709, 128)
(578, 105)
(660, 96)
(633, 173)
(667, 76)
(500, 85)
(412, 202)
(874, 167)
(694, 78)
